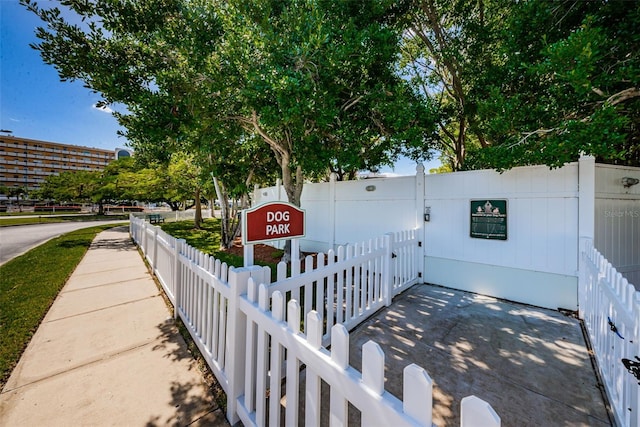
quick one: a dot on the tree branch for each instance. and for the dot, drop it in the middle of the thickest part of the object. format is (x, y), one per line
(351, 102)
(539, 132)
(623, 96)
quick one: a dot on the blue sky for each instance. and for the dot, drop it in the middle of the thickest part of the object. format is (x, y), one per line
(35, 104)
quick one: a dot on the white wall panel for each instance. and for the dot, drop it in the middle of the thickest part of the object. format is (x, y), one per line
(542, 218)
(617, 219)
(543, 233)
(527, 286)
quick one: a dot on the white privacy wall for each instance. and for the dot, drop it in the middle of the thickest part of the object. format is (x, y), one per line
(549, 214)
(537, 263)
(617, 219)
(338, 213)
(362, 214)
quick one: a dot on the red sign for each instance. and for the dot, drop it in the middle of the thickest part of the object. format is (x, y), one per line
(272, 221)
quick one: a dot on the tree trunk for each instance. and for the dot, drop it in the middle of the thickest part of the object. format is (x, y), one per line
(228, 230)
(198, 215)
(293, 187)
(283, 150)
(292, 184)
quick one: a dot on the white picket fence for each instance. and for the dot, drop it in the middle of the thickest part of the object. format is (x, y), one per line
(256, 352)
(278, 392)
(348, 285)
(610, 307)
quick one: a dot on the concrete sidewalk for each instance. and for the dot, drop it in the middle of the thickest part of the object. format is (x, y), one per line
(108, 353)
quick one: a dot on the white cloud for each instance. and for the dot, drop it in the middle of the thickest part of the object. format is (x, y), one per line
(104, 109)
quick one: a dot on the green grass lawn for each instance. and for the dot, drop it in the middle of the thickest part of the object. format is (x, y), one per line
(28, 286)
(207, 240)
(16, 220)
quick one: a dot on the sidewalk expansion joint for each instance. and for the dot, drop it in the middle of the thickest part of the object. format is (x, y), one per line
(94, 272)
(106, 284)
(104, 308)
(104, 357)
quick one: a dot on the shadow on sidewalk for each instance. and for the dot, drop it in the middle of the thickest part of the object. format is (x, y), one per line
(116, 243)
(190, 409)
(195, 402)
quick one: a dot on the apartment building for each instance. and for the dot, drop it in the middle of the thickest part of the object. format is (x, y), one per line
(25, 163)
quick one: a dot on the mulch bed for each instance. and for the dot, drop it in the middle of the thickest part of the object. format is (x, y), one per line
(265, 253)
(261, 253)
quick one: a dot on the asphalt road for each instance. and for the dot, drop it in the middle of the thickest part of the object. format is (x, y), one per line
(19, 239)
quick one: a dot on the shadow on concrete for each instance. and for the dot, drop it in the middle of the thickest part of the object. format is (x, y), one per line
(171, 342)
(190, 409)
(195, 403)
(117, 243)
(530, 364)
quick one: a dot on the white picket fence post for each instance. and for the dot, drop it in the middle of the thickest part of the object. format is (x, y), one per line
(387, 273)
(313, 380)
(475, 412)
(338, 405)
(236, 344)
(372, 374)
(143, 239)
(154, 259)
(293, 367)
(177, 276)
(417, 394)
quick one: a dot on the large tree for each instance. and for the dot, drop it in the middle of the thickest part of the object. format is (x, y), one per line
(570, 84)
(446, 48)
(154, 57)
(315, 80)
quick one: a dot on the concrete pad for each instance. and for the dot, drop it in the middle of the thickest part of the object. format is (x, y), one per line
(122, 390)
(103, 261)
(75, 341)
(83, 301)
(530, 364)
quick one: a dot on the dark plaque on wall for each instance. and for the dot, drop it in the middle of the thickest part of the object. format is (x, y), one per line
(489, 219)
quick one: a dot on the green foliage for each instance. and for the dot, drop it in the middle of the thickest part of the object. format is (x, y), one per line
(570, 85)
(28, 287)
(446, 50)
(533, 82)
(312, 87)
(316, 82)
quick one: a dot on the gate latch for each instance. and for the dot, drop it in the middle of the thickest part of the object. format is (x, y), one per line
(633, 367)
(614, 328)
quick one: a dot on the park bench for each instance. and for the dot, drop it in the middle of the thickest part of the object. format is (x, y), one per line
(155, 218)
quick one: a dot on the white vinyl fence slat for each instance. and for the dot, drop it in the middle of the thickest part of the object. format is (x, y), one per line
(610, 307)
